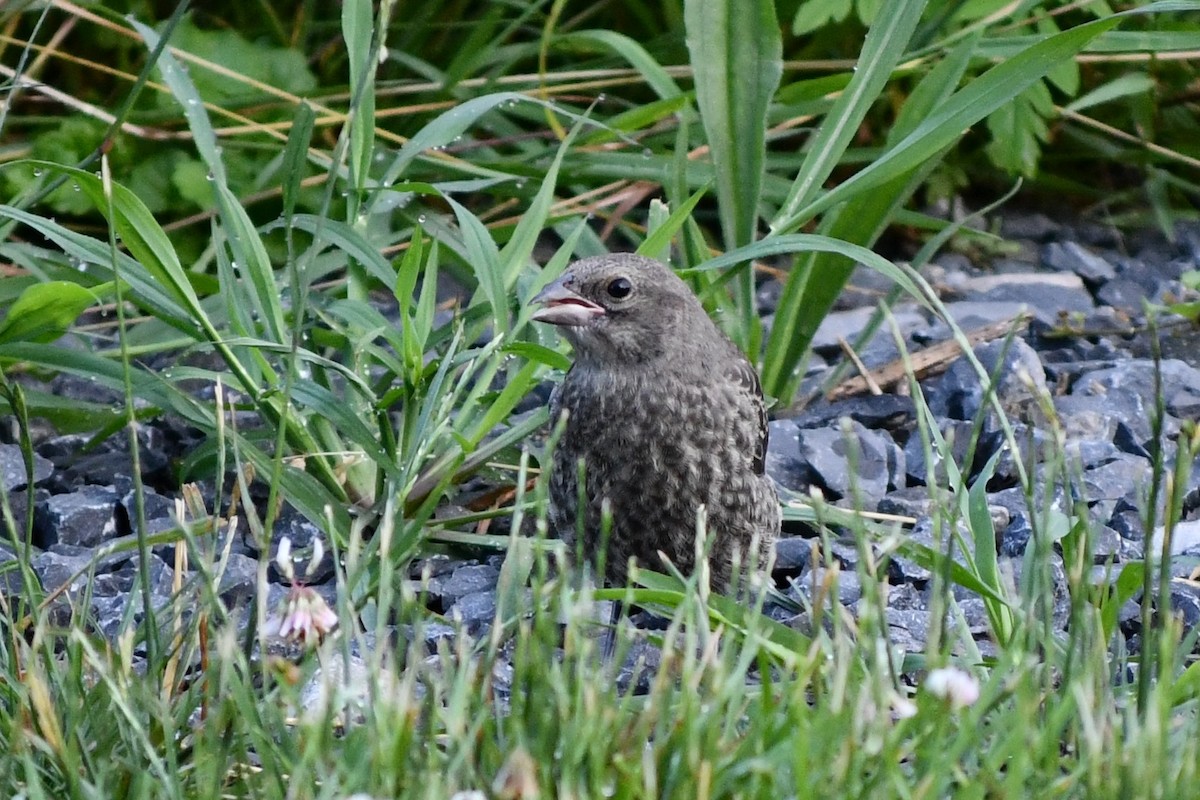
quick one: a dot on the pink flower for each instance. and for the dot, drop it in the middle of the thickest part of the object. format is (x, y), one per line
(305, 617)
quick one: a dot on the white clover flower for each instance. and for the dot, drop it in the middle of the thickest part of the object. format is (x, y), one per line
(903, 708)
(305, 617)
(957, 687)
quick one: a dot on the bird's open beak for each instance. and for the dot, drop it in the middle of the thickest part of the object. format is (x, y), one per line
(561, 306)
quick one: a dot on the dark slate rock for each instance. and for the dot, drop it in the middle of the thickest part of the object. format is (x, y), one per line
(12, 468)
(1126, 520)
(1148, 276)
(848, 325)
(1126, 440)
(102, 469)
(792, 553)
(1045, 298)
(18, 501)
(1180, 384)
(60, 449)
(127, 578)
(1185, 538)
(1014, 539)
(913, 501)
(12, 581)
(901, 569)
(56, 569)
(783, 462)
(1031, 441)
(431, 632)
(959, 392)
(1185, 605)
(475, 610)
(853, 459)
(110, 610)
(1186, 567)
(1106, 545)
(906, 597)
(957, 435)
(1121, 478)
(1073, 257)
(637, 674)
(975, 614)
(849, 589)
(969, 314)
(1095, 418)
(239, 581)
(864, 288)
(907, 630)
(1122, 293)
(157, 507)
(435, 565)
(873, 411)
(1095, 234)
(1034, 226)
(466, 580)
(1050, 572)
(83, 389)
(1187, 233)
(83, 518)
(767, 296)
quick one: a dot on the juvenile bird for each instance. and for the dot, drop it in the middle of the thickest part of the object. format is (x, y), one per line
(666, 415)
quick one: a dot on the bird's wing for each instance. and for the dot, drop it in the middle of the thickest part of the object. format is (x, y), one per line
(746, 378)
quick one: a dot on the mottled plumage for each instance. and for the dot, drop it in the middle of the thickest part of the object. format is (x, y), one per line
(666, 415)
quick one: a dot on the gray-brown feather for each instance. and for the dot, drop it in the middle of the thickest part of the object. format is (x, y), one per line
(666, 415)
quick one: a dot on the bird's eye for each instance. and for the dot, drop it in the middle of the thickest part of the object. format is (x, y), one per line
(619, 288)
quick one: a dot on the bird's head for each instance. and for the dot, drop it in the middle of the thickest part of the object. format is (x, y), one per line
(622, 308)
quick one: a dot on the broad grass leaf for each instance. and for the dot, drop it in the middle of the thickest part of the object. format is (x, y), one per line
(736, 57)
(45, 311)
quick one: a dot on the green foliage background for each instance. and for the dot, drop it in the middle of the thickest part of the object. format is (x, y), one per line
(262, 199)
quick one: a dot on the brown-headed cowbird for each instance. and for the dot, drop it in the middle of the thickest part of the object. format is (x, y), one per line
(666, 415)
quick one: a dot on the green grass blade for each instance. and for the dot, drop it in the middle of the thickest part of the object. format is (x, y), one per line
(736, 57)
(966, 107)
(883, 48)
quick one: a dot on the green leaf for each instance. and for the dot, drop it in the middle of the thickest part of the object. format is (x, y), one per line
(657, 78)
(446, 128)
(1123, 86)
(885, 45)
(484, 258)
(807, 242)
(813, 14)
(295, 156)
(539, 353)
(969, 105)
(256, 61)
(1018, 130)
(659, 240)
(816, 281)
(736, 57)
(67, 414)
(357, 29)
(1129, 582)
(169, 290)
(45, 311)
(345, 238)
(184, 91)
